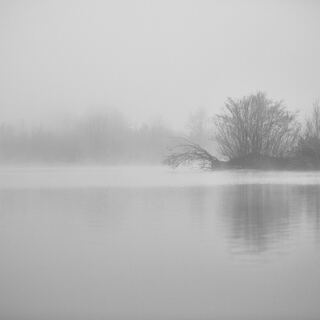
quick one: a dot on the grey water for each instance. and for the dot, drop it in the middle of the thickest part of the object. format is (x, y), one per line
(153, 243)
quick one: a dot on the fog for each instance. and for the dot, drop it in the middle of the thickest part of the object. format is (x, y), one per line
(152, 162)
(107, 138)
(150, 60)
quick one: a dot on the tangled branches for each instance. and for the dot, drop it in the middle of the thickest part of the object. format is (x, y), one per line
(256, 125)
(188, 152)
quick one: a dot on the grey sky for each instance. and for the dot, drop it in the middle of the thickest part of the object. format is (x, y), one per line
(150, 58)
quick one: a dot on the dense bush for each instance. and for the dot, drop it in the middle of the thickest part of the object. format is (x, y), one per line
(256, 132)
(256, 125)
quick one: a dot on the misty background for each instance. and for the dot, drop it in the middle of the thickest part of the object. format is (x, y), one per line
(116, 80)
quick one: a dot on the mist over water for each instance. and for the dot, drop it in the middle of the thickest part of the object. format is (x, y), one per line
(75, 247)
(95, 95)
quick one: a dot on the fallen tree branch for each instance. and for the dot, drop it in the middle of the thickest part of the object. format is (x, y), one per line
(188, 152)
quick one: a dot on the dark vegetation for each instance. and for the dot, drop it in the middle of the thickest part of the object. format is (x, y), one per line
(256, 133)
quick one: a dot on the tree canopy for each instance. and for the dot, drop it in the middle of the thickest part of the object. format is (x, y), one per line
(256, 125)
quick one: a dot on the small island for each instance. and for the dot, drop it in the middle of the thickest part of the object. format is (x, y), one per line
(255, 133)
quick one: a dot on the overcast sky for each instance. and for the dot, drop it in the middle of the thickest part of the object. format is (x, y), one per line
(154, 58)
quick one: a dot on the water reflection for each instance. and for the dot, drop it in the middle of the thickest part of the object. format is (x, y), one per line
(119, 251)
(268, 217)
(309, 199)
(258, 216)
(254, 218)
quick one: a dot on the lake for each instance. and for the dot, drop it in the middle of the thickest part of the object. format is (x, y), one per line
(154, 243)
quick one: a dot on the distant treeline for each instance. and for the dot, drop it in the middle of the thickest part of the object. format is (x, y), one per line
(101, 138)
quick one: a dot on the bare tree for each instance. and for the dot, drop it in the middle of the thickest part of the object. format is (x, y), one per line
(187, 152)
(256, 125)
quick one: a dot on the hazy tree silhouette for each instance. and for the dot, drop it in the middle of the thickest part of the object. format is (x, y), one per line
(198, 127)
(313, 123)
(105, 137)
(309, 144)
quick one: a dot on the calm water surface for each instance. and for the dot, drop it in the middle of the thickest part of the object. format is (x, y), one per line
(151, 243)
